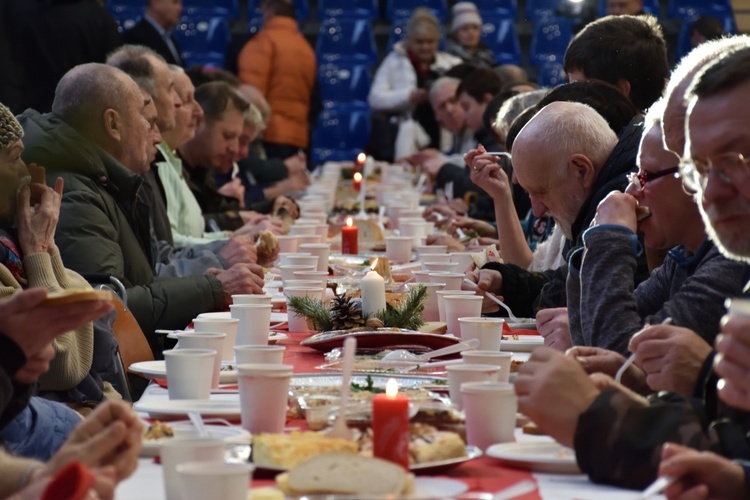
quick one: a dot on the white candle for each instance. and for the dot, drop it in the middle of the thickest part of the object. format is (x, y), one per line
(373, 293)
(369, 166)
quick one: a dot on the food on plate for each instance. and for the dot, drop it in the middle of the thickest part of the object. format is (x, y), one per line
(227, 368)
(71, 295)
(642, 213)
(488, 254)
(532, 428)
(513, 336)
(433, 327)
(338, 473)
(158, 430)
(266, 493)
(368, 230)
(286, 451)
(266, 245)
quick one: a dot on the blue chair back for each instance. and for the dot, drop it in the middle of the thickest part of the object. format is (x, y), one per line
(126, 16)
(506, 9)
(689, 9)
(346, 40)
(686, 28)
(397, 9)
(540, 10)
(229, 9)
(301, 10)
(501, 37)
(348, 9)
(650, 6)
(344, 83)
(551, 74)
(340, 134)
(549, 41)
(203, 41)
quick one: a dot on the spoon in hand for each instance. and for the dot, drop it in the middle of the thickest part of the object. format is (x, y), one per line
(499, 302)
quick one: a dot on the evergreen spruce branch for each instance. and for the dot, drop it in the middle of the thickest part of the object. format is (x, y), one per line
(409, 314)
(313, 309)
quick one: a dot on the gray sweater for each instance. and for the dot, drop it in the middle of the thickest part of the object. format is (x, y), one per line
(605, 308)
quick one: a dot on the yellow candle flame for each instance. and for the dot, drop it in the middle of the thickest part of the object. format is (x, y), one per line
(374, 265)
(361, 157)
(357, 176)
(349, 222)
(391, 388)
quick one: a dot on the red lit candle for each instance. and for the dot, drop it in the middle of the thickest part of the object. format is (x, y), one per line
(349, 238)
(390, 425)
(357, 181)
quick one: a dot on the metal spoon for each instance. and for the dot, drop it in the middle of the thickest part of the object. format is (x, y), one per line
(499, 302)
(339, 429)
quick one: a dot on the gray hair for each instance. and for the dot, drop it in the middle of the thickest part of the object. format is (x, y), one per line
(441, 82)
(513, 107)
(132, 60)
(569, 128)
(85, 92)
(254, 117)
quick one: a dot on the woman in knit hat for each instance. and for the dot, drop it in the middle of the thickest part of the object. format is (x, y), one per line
(465, 37)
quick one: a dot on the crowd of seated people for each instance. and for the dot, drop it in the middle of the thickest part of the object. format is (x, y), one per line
(618, 201)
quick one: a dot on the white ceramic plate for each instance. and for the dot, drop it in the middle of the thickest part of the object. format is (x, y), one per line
(276, 317)
(525, 343)
(166, 409)
(539, 457)
(186, 430)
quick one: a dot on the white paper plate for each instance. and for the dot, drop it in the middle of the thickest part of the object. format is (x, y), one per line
(158, 369)
(186, 430)
(276, 317)
(525, 343)
(208, 408)
(539, 457)
(425, 488)
(273, 337)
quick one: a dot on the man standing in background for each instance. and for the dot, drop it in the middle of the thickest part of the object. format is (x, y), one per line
(154, 30)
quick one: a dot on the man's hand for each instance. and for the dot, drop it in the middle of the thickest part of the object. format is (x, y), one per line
(553, 391)
(598, 360)
(36, 366)
(553, 325)
(240, 249)
(439, 212)
(234, 189)
(253, 229)
(37, 215)
(33, 327)
(476, 276)
(287, 204)
(481, 227)
(700, 474)
(443, 239)
(110, 436)
(732, 362)
(239, 279)
(418, 96)
(492, 178)
(671, 357)
(296, 164)
(618, 209)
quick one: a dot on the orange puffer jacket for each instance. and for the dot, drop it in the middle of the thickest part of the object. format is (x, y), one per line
(281, 64)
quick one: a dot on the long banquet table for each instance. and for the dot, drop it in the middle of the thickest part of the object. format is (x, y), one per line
(483, 474)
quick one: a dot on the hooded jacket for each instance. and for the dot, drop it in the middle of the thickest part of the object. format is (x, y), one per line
(527, 292)
(104, 227)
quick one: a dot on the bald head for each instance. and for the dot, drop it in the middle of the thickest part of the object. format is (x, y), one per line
(673, 121)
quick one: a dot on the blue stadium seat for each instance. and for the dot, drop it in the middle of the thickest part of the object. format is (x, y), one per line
(133, 4)
(501, 37)
(254, 25)
(203, 41)
(344, 84)
(650, 6)
(540, 10)
(551, 74)
(346, 40)
(348, 9)
(506, 9)
(340, 134)
(689, 9)
(549, 41)
(397, 9)
(229, 9)
(683, 38)
(126, 16)
(301, 8)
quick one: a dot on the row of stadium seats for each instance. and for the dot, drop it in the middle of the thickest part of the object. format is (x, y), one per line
(398, 9)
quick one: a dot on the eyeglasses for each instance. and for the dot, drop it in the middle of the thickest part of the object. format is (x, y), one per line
(640, 179)
(729, 167)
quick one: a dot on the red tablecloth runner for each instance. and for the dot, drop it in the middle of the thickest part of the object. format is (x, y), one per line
(481, 474)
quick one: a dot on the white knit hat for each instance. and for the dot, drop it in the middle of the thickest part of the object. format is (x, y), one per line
(464, 13)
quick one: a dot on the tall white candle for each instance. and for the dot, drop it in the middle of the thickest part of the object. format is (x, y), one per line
(373, 293)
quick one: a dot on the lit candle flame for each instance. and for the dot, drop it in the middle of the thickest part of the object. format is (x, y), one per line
(391, 388)
(349, 222)
(361, 157)
(374, 264)
(357, 176)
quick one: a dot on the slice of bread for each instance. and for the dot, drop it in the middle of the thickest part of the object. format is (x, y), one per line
(340, 473)
(71, 295)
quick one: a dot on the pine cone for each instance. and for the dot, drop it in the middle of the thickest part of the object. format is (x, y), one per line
(346, 313)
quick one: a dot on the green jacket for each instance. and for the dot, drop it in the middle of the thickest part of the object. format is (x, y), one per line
(104, 227)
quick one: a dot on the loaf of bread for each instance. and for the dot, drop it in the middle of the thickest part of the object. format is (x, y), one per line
(341, 473)
(286, 451)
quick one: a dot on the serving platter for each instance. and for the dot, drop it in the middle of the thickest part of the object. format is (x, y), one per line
(382, 338)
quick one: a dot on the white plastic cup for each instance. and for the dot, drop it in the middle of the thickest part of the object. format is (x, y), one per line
(212, 341)
(287, 272)
(398, 248)
(302, 229)
(461, 306)
(452, 280)
(441, 300)
(259, 354)
(173, 452)
(298, 323)
(488, 331)
(449, 267)
(321, 250)
(431, 312)
(248, 298)
(254, 325)
(202, 480)
(224, 325)
(490, 409)
(322, 230)
(463, 259)
(287, 243)
(189, 373)
(422, 276)
(462, 373)
(431, 249)
(300, 260)
(425, 257)
(320, 276)
(304, 239)
(500, 359)
(263, 392)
